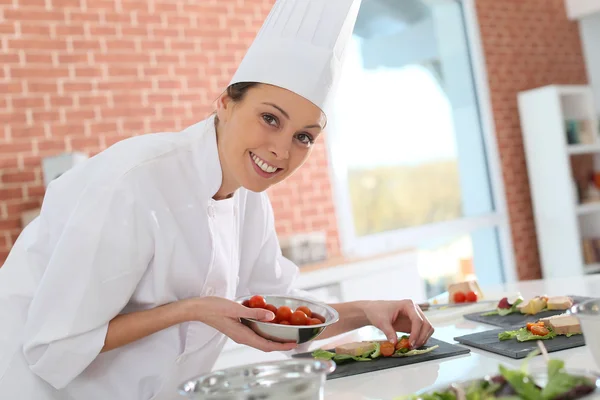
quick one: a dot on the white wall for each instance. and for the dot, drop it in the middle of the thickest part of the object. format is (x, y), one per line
(590, 36)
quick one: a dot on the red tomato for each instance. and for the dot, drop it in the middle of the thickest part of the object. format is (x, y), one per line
(298, 318)
(314, 321)
(539, 330)
(459, 297)
(284, 313)
(271, 308)
(403, 344)
(305, 310)
(284, 323)
(387, 349)
(317, 316)
(246, 303)
(257, 302)
(471, 297)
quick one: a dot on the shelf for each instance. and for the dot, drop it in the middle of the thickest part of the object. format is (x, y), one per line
(588, 208)
(592, 268)
(583, 148)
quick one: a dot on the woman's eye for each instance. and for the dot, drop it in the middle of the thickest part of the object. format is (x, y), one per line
(305, 139)
(270, 119)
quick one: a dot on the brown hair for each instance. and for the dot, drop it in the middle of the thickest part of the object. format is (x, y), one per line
(236, 92)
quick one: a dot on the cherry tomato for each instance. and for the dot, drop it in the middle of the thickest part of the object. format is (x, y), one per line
(284, 323)
(314, 321)
(319, 317)
(403, 344)
(459, 297)
(257, 302)
(298, 318)
(532, 324)
(305, 310)
(284, 313)
(471, 297)
(271, 308)
(539, 330)
(246, 303)
(387, 349)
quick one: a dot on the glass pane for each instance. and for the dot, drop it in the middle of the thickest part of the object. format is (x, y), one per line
(406, 122)
(449, 260)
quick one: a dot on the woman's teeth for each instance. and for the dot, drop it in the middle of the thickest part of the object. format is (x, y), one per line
(263, 165)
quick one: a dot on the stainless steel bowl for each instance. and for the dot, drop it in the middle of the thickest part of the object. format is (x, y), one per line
(296, 379)
(540, 377)
(292, 333)
(588, 313)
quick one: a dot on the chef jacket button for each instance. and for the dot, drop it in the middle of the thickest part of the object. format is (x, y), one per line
(210, 291)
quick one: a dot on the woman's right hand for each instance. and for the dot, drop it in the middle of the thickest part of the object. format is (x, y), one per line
(224, 315)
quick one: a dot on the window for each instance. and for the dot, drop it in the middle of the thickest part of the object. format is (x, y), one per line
(406, 145)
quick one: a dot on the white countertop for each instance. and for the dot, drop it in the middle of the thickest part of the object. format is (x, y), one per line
(391, 383)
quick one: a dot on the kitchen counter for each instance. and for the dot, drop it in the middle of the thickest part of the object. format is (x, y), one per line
(388, 384)
(391, 383)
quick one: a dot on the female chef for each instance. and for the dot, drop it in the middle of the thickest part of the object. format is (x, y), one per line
(123, 287)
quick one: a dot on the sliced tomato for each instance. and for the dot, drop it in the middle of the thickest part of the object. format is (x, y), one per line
(284, 322)
(539, 330)
(271, 308)
(404, 343)
(387, 349)
(246, 303)
(314, 321)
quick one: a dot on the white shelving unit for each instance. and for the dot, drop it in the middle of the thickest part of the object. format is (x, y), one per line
(561, 223)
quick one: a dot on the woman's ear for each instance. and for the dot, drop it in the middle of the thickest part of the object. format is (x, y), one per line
(224, 105)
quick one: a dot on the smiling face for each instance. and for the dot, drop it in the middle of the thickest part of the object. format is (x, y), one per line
(264, 136)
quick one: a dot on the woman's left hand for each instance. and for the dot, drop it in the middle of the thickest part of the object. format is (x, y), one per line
(399, 316)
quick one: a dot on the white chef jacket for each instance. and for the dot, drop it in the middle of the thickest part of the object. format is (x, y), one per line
(133, 228)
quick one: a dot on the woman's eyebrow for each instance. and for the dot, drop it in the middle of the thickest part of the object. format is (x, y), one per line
(285, 114)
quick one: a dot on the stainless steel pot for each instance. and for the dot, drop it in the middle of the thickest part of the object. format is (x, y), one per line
(294, 379)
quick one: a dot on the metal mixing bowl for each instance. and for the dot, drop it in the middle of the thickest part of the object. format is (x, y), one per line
(292, 333)
(588, 313)
(296, 379)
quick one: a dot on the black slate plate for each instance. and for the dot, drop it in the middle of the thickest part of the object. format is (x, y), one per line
(517, 318)
(489, 341)
(350, 368)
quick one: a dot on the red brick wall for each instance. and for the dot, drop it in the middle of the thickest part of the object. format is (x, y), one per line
(83, 74)
(527, 43)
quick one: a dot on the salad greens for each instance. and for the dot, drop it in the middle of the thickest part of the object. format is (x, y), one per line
(505, 311)
(524, 335)
(518, 384)
(369, 355)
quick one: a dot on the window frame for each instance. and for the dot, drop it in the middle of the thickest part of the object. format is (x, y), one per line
(402, 239)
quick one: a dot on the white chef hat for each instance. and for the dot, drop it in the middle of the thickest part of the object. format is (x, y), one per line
(300, 47)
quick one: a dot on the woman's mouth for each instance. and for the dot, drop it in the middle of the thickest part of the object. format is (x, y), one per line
(262, 167)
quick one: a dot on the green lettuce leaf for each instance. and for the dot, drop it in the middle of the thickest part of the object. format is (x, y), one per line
(524, 335)
(507, 335)
(377, 352)
(560, 382)
(323, 354)
(521, 383)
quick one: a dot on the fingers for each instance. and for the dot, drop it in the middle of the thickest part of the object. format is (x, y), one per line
(389, 331)
(243, 335)
(420, 328)
(426, 329)
(258, 314)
